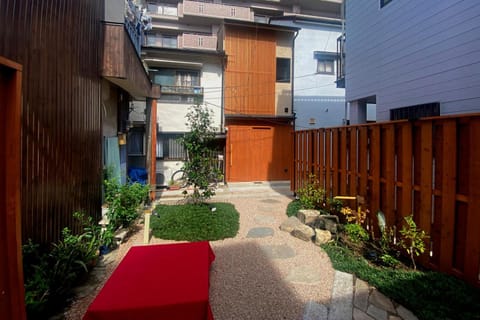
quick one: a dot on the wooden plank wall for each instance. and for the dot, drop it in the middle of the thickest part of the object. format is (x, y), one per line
(430, 167)
(250, 71)
(58, 42)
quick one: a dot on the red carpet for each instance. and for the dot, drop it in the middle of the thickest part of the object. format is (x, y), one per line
(158, 282)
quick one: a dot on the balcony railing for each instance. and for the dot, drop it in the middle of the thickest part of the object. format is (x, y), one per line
(198, 41)
(133, 24)
(215, 10)
(341, 61)
(182, 90)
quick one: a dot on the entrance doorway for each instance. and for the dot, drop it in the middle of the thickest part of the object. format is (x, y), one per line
(12, 304)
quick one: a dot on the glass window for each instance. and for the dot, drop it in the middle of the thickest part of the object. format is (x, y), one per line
(169, 41)
(325, 66)
(283, 70)
(169, 146)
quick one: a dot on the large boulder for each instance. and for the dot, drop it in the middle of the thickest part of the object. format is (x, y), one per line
(326, 222)
(322, 236)
(303, 232)
(290, 224)
(308, 216)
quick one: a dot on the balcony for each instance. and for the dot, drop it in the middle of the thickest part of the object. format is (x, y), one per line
(162, 10)
(194, 91)
(199, 42)
(341, 61)
(215, 10)
(122, 36)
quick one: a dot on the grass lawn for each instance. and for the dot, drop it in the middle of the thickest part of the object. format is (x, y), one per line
(195, 222)
(429, 295)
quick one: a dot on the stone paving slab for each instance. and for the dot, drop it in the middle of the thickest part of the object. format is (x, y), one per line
(315, 311)
(342, 297)
(260, 232)
(278, 251)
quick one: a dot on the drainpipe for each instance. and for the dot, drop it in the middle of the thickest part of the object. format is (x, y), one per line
(292, 183)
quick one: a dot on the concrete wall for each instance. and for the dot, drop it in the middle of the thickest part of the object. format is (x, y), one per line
(315, 95)
(413, 52)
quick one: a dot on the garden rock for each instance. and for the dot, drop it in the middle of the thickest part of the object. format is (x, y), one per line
(326, 222)
(120, 235)
(307, 216)
(303, 232)
(290, 224)
(322, 236)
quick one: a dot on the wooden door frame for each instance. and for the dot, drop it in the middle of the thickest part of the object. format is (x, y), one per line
(12, 293)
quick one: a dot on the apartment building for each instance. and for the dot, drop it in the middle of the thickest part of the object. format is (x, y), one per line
(412, 58)
(227, 56)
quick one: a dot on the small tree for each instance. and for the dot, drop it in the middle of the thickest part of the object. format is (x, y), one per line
(199, 146)
(413, 239)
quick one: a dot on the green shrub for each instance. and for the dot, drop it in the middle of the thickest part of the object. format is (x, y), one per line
(356, 233)
(50, 273)
(429, 295)
(413, 239)
(123, 202)
(293, 208)
(311, 196)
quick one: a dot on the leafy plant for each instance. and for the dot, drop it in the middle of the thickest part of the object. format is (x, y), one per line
(389, 260)
(293, 208)
(356, 233)
(198, 143)
(311, 196)
(352, 216)
(413, 239)
(123, 202)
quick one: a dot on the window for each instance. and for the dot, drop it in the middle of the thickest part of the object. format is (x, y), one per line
(181, 99)
(283, 70)
(136, 141)
(169, 41)
(169, 146)
(325, 66)
(181, 78)
(325, 61)
(415, 112)
(383, 3)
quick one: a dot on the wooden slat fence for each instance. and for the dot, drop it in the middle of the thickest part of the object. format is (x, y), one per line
(429, 167)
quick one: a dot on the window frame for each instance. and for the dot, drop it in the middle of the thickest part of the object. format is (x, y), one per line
(165, 138)
(277, 73)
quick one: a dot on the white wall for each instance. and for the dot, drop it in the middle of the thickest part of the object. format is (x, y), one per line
(171, 116)
(413, 52)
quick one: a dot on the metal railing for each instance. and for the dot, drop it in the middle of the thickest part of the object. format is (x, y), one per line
(181, 90)
(133, 25)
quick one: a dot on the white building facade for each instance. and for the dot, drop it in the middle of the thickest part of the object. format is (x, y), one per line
(412, 58)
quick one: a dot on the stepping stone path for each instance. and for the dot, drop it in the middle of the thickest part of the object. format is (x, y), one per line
(278, 251)
(260, 232)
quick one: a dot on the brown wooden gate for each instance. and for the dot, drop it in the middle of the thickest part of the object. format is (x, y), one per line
(258, 152)
(12, 304)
